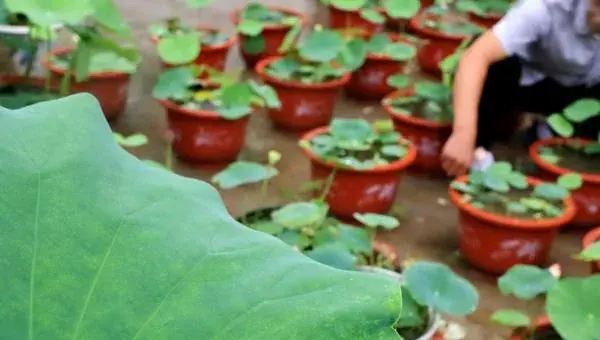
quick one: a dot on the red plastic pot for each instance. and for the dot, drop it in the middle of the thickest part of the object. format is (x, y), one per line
(369, 82)
(440, 45)
(359, 191)
(541, 324)
(110, 88)
(587, 197)
(212, 56)
(494, 243)
(303, 106)
(428, 137)
(204, 136)
(487, 21)
(273, 35)
(339, 19)
(590, 238)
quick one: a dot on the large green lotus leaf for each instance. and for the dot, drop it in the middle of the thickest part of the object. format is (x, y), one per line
(98, 245)
(49, 12)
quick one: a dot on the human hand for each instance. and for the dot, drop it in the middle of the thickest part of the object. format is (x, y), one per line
(458, 153)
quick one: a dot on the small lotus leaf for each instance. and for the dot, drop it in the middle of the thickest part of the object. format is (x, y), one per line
(551, 191)
(334, 255)
(243, 172)
(179, 49)
(250, 27)
(398, 81)
(298, 215)
(174, 83)
(372, 16)
(526, 282)
(321, 46)
(571, 181)
(582, 110)
(404, 9)
(511, 318)
(560, 125)
(377, 220)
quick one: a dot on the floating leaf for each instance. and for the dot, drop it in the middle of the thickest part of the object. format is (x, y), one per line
(560, 125)
(432, 91)
(334, 255)
(401, 9)
(395, 151)
(348, 5)
(398, 81)
(511, 318)
(178, 49)
(372, 16)
(378, 43)
(243, 172)
(350, 129)
(401, 51)
(321, 46)
(267, 93)
(591, 253)
(551, 191)
(300, 214)
(526, 282)
(582, 110)
(174, 83)
(357, 240)
(250, 27)
(436, 286)
(570, 181)
(353, 54)
(377, 220)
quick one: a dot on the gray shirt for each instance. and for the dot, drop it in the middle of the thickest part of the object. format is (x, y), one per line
(552, 38)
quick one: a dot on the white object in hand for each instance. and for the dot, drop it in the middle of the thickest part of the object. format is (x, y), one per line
(482, 159)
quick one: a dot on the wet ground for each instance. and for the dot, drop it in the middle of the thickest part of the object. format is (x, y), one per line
(429, 230)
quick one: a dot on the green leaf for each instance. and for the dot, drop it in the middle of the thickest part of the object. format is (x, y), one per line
(99, 245)
(432, 91)
(298, 215)
(436, 286)
(357, 240)
(560, 125)
(516, 207)
(412, 312)
(571, 181)
(582, 110)
(351, 129)
(401, 9)
(178, 49)
(401, 51)
(349, 5)
(591, 253)
(174, 83)
(395, 151)
(243, 172)
(511, 318)
(250, 27)
(377, 221)
(533, 203)
(496, 184)
(398, 81)
(463, 187)
(46, 13)
(372, 16)
(254, 45)
(572, 306)
(83, 58)
(133, 141)
(321, 46)
(235, 101)
(378, 43)
(518, 180)
(551, 191)
(500, 168)
(267, 227)
(267, 93)
(526, 282)
(333, 255)
(353, 54)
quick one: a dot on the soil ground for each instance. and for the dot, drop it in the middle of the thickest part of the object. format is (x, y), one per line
(429, 230)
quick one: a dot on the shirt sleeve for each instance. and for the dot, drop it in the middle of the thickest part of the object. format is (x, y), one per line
(525, 23)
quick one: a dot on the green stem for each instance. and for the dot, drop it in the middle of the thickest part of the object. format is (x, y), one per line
(65, 83)
(328, 184)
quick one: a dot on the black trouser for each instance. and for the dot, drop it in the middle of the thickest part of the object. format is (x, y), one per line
(503, 98)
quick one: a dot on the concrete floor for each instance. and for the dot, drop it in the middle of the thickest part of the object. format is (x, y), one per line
(430, 227)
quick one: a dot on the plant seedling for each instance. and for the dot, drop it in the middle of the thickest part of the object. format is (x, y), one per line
(223, 94)
(244, 172)
(253, 19)
(372, 223)
(571, 303)
(430, 101)
(500, 189)
(355, 144)
(372, 10)
(323, 56)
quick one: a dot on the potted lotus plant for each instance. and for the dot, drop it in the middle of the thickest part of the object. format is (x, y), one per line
(178, 43)
(309, 77)
(387, 54)
(486, 13)
(571, 308)
(208, 118)
(368, 16)
(507, 218)
(445, 30)
(429, 290)
(591, 250)
(366, 164)
(263, 29)
(97, 63)
(557, 156)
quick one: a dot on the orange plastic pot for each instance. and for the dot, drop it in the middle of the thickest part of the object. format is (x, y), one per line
(587, 197)
(110, 88)
(440, 45)
(273, 35)
(369, 82)
(212, 56)
(487, 21)
(590, 238)
(494, 243)
(303, 106)
(204, 136)
(339, 19)
(427, 136)
(359, 191)
(541, 324)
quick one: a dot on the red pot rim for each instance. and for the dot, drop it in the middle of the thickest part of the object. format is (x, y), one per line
(589, 238)
(235, 17)
(506, 222)
(202, 114)
(398, 165)
(394, 38)
(231, 40)
(94, 75)
(410, 120)
(434, 34)
(495, 17)
(539, 322)
(554, 169)
(262, 65)
(379, 10)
